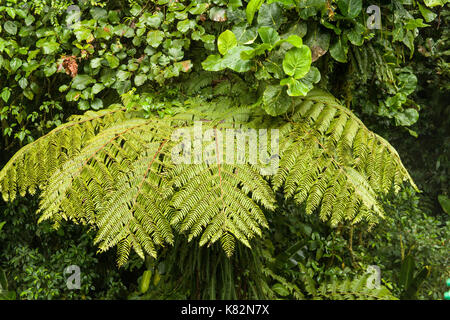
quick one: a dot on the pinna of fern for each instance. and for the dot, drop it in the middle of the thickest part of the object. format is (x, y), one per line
(113, 169)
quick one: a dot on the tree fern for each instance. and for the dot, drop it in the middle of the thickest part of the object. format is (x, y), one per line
(113, 169)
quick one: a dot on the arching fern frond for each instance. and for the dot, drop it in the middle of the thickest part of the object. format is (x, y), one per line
(43, 156)
(115, 170)
(329, 159)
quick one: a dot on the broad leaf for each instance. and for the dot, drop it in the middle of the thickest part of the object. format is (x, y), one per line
(350, 8)
(226, 41)
(275, 100)
(297, 62)
(270, 15)
(269, 35)
(251, 9)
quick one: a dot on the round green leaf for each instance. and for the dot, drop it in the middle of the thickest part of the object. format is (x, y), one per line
(350, 8)
(270, 15)
(81, 81)
(15, 64)
(10, 27)
(226, 41)
(97, 104)
(155, 37)
(268, 35)
(140, 79)
(297, 62)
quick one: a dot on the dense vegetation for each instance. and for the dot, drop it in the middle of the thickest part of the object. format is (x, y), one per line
(91, 96)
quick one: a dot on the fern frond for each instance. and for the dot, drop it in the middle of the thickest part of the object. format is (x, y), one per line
(355, 289)
(114, 169)
(331, 160)
(221, 199)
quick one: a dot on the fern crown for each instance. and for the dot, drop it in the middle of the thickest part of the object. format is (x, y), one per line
(115, 170)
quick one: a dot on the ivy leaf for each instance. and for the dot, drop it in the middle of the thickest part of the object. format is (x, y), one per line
(176, 53)
(83, 105)
(226, 41)
(99, 14)
(96, 88)
(15, 64)
(234, 4)
(296, 87)
(350, 8)
(415, 23)
(155, 37)
(408, 40)
(275, 100)
(122, 86)
(270, 15)
(23, 83)
(140, 79)
(6, 93)
(199, 8)
(297, 62)
(81, 81)
(152, 21)
(47, 46)
(10, 27)
(63, 88)
(97, 104)
(269, 35)
(11, 12)
(407, 82)
(232, 59)
(251, 9)
(50, 69)
(185, 25)
(113, 61)
(316, 37)
(28, 94)
(123, 75)
(313, 76)
(83, 34)
(96, 62)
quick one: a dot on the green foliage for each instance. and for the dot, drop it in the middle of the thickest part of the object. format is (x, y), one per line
(353, 290)
(4, 293)
(445, 203)
(33, 263)
(113, 169)
(117, 45)
(410, 279)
